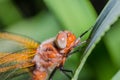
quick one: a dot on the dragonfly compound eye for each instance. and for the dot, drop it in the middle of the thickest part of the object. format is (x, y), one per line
(61, 40)
(71, 38)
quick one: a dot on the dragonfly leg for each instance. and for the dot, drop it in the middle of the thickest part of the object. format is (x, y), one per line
(65, 70)
(52, 74)
(81, 43)
(85, 32)
(78, 50)
(78, 40)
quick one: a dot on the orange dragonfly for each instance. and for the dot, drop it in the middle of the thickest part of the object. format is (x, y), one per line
(41, 60)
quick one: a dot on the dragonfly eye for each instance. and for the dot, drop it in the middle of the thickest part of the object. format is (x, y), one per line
(61, 40)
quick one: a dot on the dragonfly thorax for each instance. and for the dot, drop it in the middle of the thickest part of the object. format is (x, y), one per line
(52, 53)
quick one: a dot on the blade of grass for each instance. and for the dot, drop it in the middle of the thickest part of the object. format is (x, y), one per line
(116, 76)
(108, 16)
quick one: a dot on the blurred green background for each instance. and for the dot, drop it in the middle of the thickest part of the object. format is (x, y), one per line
(43, 19)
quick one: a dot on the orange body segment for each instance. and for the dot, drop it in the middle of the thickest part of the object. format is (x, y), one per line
(37, 75)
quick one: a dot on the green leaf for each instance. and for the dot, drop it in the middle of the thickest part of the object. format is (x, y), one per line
(75, 15)
(42, 24)
(9, 14)
(108, 16)
(116, 76)
(112, 41)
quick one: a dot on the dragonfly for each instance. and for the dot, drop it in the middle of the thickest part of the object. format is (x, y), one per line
(40, 60)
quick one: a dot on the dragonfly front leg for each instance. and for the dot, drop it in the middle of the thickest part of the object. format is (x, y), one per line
(65, 70)
(52, 74)
(78, 50)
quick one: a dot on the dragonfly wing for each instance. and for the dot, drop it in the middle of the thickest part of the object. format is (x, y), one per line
(16, 74)
(27, 42)
(17, 63)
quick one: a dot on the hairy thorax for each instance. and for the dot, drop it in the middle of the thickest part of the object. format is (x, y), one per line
(52, 54)
(46, 59)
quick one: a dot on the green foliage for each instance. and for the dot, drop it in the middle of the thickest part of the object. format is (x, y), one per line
(117, 76)
(67, 11)
(112, 41)
(107, 17)
(76, 16)
(9, 14)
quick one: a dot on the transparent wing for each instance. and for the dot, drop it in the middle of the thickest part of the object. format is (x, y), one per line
(16, 64)
(16, 53)
(26, 42)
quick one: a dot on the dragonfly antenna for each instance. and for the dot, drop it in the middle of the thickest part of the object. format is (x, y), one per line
(85, 32)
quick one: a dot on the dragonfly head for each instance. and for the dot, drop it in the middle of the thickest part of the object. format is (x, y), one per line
(65, 39)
